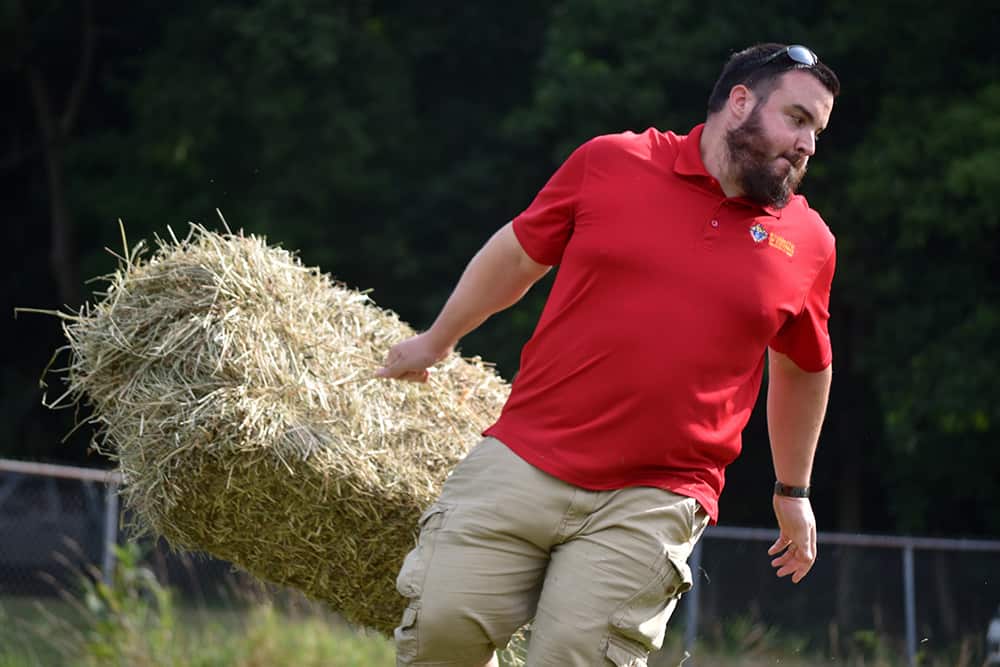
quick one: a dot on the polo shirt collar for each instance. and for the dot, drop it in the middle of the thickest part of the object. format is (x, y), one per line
(689, 163)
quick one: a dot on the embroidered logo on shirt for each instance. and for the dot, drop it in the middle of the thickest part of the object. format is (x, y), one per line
(782, 244)
(759, 235)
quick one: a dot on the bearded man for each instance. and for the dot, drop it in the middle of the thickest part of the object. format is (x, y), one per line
(686, 263)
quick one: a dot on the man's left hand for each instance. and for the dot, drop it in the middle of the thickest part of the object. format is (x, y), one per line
(797, 539)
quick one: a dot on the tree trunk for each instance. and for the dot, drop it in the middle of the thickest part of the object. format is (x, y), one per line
(55, 130)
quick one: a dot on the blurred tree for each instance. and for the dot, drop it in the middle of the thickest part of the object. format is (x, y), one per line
(387, 141)
(368, 139)
(48, 52)
(930, 195)
(285, 114)
(56, 112)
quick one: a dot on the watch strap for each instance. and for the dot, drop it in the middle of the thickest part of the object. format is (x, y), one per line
(791, 491)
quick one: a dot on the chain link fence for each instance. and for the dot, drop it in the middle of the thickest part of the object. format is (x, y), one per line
(59, 523)
(919, 601)
(54, 521)
(913, 600)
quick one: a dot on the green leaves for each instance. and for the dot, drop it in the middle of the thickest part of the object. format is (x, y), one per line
(387, 142)
(925, 195)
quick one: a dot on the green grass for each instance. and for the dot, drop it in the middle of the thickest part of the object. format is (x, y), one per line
(257, 636)
(136, 622)
(270, 633)
(20, 619)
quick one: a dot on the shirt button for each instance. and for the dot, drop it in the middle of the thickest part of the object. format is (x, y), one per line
(715, 223)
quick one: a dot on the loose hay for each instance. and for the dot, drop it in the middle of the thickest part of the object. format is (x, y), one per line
(235, 389)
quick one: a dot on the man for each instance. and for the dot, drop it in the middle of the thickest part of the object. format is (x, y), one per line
(685, 263)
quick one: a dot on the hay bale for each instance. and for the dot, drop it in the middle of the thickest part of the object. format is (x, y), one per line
(235, 389)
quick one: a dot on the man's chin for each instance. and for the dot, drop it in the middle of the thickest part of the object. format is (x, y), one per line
(784, 168)
(790, 177)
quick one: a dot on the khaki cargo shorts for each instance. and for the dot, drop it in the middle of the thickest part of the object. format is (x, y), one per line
(598, 573)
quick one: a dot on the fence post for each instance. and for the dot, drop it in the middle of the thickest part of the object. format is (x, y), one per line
(110, 530)
(910, 603)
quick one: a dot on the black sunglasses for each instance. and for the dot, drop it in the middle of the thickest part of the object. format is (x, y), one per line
(797, 53)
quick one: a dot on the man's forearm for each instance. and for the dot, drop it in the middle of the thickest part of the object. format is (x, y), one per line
(796, 405)
(496, 278)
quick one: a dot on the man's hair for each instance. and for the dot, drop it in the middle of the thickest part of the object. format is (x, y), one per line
(745, 67)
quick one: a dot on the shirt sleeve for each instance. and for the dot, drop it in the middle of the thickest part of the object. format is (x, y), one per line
(805, 338)
(545, 227)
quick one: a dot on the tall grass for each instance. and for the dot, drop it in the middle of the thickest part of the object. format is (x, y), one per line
(135, 621)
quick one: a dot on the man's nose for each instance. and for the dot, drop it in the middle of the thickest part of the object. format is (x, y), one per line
(806, 144)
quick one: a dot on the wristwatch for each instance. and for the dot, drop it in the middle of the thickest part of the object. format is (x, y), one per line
(791, 491)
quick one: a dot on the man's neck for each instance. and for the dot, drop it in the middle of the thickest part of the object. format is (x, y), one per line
(715, 156)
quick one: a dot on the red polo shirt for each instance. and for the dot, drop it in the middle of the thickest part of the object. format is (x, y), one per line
(648, 356)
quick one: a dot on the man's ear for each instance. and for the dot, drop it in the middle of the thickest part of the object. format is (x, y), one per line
(741, 101)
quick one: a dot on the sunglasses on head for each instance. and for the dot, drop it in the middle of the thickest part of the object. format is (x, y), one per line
(798, 54)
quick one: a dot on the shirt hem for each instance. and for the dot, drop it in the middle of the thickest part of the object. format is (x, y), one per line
(703, 493)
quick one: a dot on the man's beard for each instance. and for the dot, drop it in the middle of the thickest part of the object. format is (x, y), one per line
(753, 162)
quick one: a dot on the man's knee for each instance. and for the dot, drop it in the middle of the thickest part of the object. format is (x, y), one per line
(441, 636)
(555, 643)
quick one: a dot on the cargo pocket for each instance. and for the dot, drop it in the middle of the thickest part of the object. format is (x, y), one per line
(406, 636)
(642, 618)
(410, 582)
(622, 653)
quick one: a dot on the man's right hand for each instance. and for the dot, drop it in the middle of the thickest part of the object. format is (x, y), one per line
(797, 539)
(497, 277)
(411, 359)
